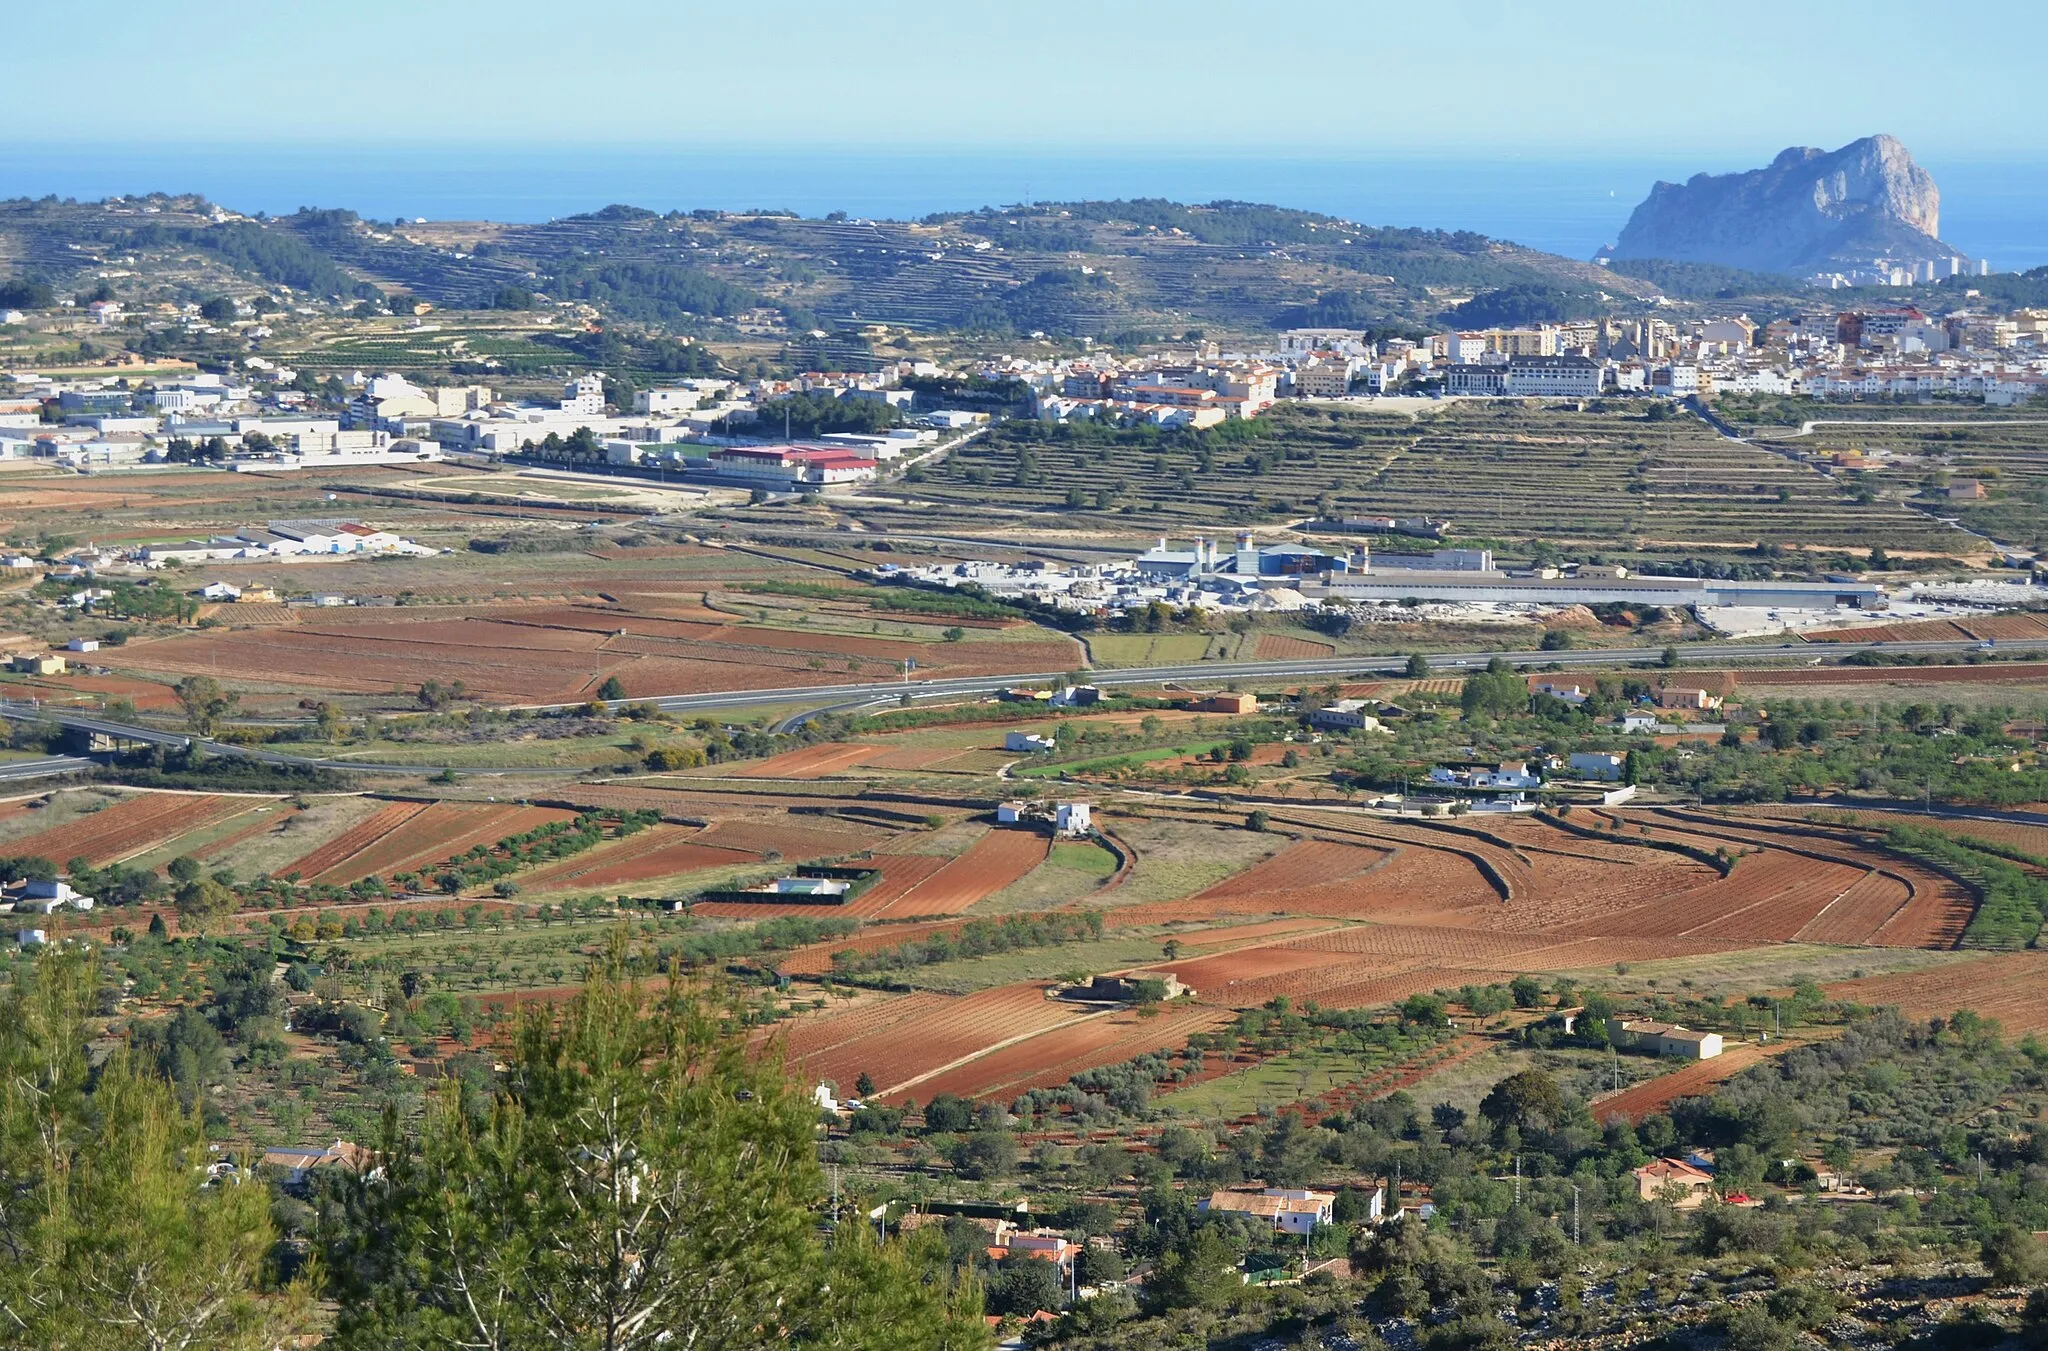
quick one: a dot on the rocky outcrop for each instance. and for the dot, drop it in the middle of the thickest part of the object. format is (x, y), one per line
(1810, 210)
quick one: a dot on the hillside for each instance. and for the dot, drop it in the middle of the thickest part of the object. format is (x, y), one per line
(1098, 269)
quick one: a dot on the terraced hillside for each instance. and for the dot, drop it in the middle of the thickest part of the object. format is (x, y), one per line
(1913, 455)
(1497, 470)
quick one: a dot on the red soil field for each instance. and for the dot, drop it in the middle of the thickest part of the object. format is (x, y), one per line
(1200, 941)
(1216, 979)
(144, 694)
(2012, 834)
(1928, 630)
(813, 1033)
(563, 651)
(1052, 1058)
(2011, 987)
(1756, 880)
(1306, 863)
(1283, 647)
(910, 757)
(2004, 672)
(809, 762)
(1934, 917)
(904, 1050)
(658, 851)
(357, 837)
(126, 828)
(900, 873)
(816, 958)
(259, 823)
(1426, 942)
(431, 837)
(1864, 909)
(795, 838)
(993, 862)
(1654, 1095)
(2005, 626)
(1778, 916)
(1391, 987)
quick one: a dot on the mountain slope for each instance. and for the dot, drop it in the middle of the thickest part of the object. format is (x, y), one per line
(1077, 268)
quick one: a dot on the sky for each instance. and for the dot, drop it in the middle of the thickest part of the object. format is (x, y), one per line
(1738, 79)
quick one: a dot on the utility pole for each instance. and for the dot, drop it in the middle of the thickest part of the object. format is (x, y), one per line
(1575, 1217)
(835, 1195)
(1518, 1179)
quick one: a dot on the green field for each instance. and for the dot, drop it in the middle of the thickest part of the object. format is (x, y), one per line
(1274, 1083)
(1155, 649)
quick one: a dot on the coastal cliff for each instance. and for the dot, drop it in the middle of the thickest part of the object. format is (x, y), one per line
(1808, 210)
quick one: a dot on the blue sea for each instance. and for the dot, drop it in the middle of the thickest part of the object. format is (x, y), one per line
(1990, 209)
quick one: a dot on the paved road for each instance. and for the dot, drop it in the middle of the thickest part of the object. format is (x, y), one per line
(1210, 673)
(85, 722)
(846, 698)
(43, 768)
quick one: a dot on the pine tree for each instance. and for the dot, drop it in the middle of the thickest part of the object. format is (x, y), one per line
(639, 1181)
(111, 1234)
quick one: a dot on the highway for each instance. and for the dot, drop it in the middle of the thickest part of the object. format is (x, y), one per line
(1211, 673)
(22, 770)
(820, 699)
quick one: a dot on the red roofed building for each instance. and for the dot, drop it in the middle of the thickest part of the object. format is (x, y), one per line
(792, 465)
(1656, 1175)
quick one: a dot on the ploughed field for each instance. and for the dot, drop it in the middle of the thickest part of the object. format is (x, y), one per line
(1357, 912)
(1351, 911)
(560, 653)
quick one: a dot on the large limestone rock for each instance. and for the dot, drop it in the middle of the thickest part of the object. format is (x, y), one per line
(1809, 210)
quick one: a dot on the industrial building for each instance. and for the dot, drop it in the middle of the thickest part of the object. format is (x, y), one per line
(1673, 592)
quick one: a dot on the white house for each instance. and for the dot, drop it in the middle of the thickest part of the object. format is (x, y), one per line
(1009, 813)
(1027, 741)
(1597, 764)
(1289, 1211)
(1072, 818)
(1664, 1038)
(1345, 713)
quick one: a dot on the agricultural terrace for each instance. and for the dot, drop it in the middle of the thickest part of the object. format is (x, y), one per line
(1506, 472)
(1916, 452)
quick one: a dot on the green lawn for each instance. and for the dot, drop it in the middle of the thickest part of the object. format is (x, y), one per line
(1082, 857)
